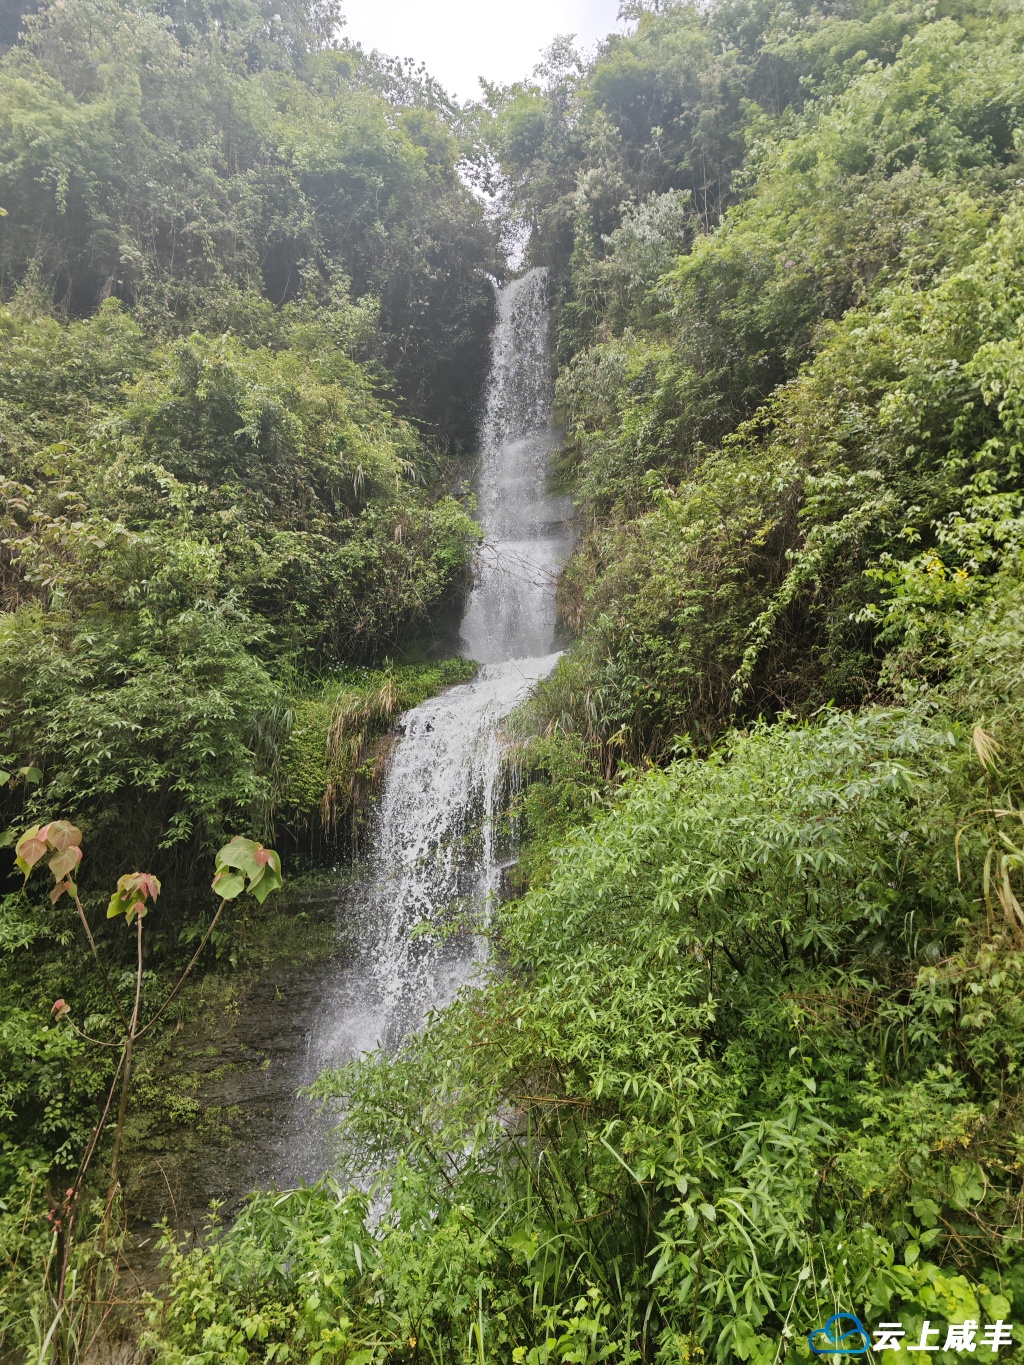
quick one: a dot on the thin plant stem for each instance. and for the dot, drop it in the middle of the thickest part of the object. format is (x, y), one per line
(76, 1188)
(122, 1109)
(99, 960)
(181, 979)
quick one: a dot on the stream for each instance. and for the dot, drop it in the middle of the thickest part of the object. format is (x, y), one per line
(432, 851)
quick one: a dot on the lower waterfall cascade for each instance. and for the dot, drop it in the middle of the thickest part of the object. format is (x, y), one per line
(431, 847)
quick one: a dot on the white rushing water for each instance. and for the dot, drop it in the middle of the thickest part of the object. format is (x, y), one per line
(431, 851)
(511, 612)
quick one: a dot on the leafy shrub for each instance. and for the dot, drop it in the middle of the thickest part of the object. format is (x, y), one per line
(715, 1092)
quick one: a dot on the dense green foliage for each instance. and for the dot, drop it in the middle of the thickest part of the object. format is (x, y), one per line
(754, 1057)
(244, 303)
(750, 1052)
(188, 525)
(736, 499)
(206, 164)
(219, 232)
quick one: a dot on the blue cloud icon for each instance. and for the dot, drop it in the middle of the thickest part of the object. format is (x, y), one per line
(837, 1339)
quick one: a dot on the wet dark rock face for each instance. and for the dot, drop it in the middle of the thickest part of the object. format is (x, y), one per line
(217, 1102)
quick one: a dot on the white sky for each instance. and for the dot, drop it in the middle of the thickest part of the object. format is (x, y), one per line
(459, 40)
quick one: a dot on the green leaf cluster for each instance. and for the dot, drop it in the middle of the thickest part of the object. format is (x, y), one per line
(245, 865)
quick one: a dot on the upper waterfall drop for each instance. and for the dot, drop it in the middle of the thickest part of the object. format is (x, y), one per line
(511, 612)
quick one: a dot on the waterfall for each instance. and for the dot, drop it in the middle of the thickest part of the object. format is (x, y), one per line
(511, 613)
(431, 849)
